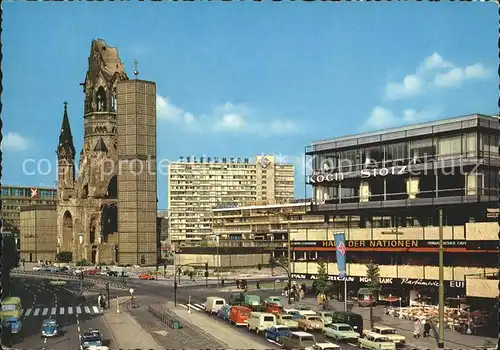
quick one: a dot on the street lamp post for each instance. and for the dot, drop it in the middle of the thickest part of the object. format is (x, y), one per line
(441, 282)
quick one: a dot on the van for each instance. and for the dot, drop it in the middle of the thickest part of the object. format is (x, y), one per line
(239, 315)
(298, 340)
(260, 321)
(350, 318)
(214, 304)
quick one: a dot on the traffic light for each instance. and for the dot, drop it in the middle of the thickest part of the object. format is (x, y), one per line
(206, 274)
(206, 266)
(259, 266)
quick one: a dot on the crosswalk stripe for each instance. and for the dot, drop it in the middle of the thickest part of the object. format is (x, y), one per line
(53, 311)
(70, 310)
(78, 310)
(45, 311)
(200, 306)
(87, 309)
(183, 305)
(61, 310)
(194, 307)
(37, 311)
(96, 310)
(28, 312)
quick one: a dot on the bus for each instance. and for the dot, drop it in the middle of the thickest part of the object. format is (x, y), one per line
(12, 312)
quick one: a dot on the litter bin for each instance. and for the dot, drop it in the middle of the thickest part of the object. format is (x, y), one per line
(176, 325)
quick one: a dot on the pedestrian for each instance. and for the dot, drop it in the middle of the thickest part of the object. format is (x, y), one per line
(427, 329)
(417, 328)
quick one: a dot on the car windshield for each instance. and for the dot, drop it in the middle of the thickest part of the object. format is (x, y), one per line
(92, 340)
(345, 329)
(8, 307)
(314, 319)
(327, 315)
(388, 331)
(286, 317)
(283, 329)
(382, 340)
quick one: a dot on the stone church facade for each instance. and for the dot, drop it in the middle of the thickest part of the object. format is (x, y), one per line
(87, 218)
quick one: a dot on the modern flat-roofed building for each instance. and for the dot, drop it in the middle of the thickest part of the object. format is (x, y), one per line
(397, 182)
(39, 233)
(196, 186)
(16, 197)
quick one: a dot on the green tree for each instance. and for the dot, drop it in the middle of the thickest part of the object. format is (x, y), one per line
(373, 274)
(322, 283)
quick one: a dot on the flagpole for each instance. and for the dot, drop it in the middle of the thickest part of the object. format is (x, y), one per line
(345, 293)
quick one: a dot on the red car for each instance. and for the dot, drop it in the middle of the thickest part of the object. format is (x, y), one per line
(146, 276)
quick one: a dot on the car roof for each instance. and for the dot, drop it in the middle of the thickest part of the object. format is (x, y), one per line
(302, 334)
(384, 328)
(280, 326)
(341, 324)
(49, 320)
(327, 344)
(376, 335)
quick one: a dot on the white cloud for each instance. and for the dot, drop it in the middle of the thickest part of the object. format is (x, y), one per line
(436, 70)
(412, 85)
(15, 142)
(383, 118)
(456, 76)
(227, 117)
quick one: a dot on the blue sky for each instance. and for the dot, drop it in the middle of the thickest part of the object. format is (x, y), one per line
(238, 79)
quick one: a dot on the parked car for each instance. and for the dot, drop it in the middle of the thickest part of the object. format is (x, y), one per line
(340, 331)
(90, 338)
(298, 340)
(310, 322)
(146, 276)
(50, 328)
(326, 317)
(308, 312)
(273, 300)
(350, 318)
(391, 333)
(236, 299)
(277, 332)
(287, 320)
(325, 346)
(376, 341)
(239, 315)
(37, 268)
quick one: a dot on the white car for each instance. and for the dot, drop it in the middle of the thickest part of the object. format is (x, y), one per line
(325, 346)
(37, 268)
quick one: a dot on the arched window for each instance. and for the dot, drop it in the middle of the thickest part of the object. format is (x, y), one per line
(101, 99)
(113, 101)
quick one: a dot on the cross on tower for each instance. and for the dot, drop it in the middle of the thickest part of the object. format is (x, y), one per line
(136, 71)
(65, 105)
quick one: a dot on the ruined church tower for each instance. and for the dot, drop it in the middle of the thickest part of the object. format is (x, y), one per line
(87, 208)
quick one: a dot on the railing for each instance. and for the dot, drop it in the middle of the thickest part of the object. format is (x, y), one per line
(164, 318)
(63, 276)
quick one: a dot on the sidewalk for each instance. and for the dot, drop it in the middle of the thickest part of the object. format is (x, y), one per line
(127, 332)
(452, 339)
(231, 338)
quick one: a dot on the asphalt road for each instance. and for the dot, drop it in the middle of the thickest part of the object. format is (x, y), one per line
(199, 296)
(41, 300)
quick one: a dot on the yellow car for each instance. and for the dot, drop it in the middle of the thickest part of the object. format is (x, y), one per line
(287, 320)
(311, 322)
(391, 333)
(374, 341)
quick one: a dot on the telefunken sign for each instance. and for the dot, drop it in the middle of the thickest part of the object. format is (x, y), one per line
(365, 173)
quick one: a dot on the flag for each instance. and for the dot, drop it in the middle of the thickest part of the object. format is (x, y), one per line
(341, 250)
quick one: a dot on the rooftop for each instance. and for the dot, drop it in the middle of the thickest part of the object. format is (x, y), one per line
(401, 130)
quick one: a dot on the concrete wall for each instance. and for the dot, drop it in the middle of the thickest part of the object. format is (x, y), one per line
(38, 233)
(225, 261)
(481, 288)
(401, 271)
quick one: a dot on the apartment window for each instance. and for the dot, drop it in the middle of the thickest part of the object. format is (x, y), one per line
(396, 151)
(450, 146)
(422, 148)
